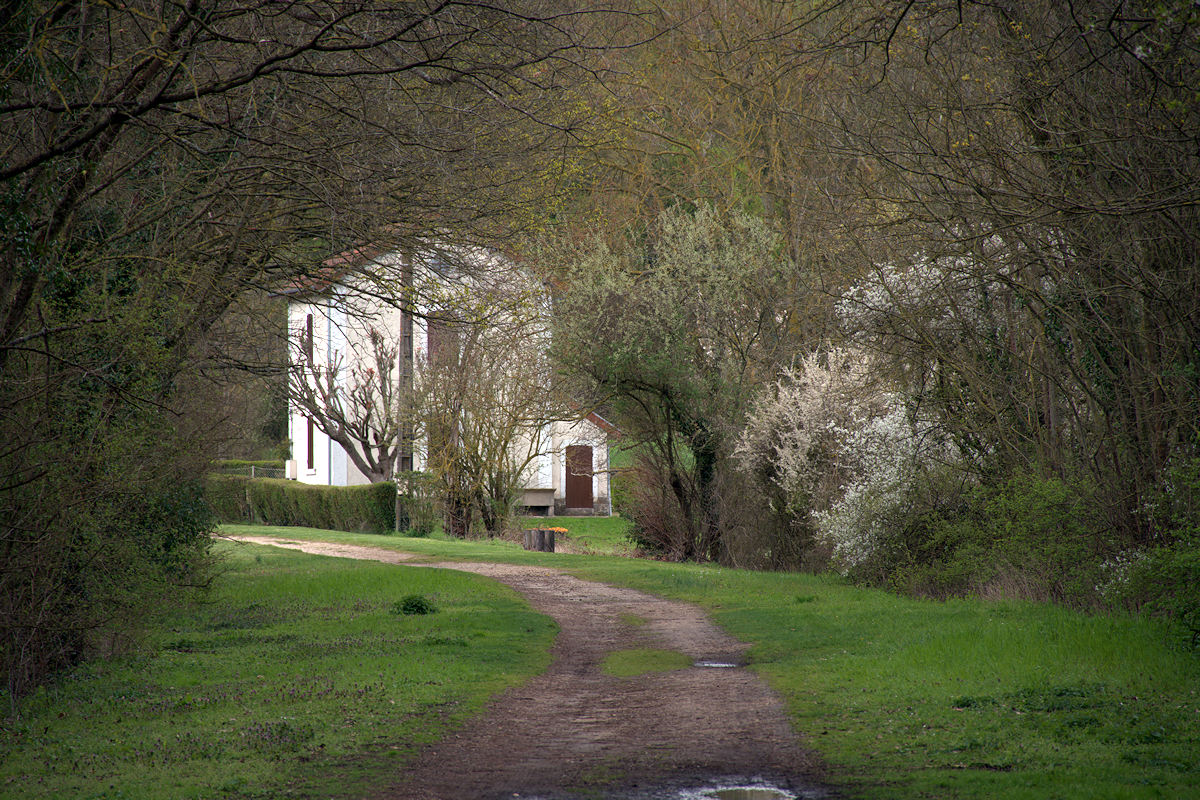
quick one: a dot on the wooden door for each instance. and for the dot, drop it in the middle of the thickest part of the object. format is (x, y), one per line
(579, 476)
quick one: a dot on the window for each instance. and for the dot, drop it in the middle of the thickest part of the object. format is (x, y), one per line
(308, 341)
(312, 462)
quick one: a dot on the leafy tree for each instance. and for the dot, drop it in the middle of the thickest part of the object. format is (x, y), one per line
(670, 333)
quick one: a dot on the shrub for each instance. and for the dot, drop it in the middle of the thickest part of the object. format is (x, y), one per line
(661, 526)
(417, 505)
(241, 463)
(235, 498)
(414, 604)
(1030, 536)
(1164, 580)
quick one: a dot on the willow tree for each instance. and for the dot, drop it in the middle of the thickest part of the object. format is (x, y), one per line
(670, 332)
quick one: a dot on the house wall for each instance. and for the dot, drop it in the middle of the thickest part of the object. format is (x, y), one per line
(582, 432)
(340, 330)
(299, 431)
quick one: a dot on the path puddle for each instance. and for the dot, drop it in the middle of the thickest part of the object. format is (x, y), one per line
(716, 664)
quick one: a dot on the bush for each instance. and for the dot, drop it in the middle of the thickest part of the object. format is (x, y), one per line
(1033, 537)
(1164, 580)
(241, 463)
(414, 604)
(368, 508)
(417, 505)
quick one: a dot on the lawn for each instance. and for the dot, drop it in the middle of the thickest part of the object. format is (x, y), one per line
(920, 699)
(594, 535)
(299, 679)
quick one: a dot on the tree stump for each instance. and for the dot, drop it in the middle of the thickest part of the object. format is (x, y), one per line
(539, 539)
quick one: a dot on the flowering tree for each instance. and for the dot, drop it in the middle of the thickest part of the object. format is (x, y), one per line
(671, 333)
(836, 449)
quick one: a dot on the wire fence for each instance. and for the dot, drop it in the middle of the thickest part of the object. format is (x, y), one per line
(253, 471)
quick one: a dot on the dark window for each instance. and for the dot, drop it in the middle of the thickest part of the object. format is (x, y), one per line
(311, 460)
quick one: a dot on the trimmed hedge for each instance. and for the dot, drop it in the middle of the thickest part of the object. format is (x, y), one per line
(237, 498)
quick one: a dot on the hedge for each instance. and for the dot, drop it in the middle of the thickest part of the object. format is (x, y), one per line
(237, 498)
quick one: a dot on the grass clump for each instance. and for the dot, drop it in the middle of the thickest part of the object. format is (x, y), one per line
(641, 661)
(414, 604)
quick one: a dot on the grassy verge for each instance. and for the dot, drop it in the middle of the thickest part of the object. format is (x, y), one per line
(912, 699)
(596, 535)
(302, 677)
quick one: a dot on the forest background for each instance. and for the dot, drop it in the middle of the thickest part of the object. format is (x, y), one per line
(906, 290)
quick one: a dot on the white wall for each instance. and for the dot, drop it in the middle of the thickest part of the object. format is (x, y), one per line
(339, 333)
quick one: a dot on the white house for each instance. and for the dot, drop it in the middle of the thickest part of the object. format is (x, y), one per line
(362, 297)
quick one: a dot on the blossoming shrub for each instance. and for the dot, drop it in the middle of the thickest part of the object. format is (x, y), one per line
(838, 452)
(890, 496)
(791, 443)
(1165, 579)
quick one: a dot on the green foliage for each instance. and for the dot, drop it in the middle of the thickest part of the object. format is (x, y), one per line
(101, 513)
(1029, 536)
(1165, 579)
(293, 679)
(236, 498)
(414, 604)
(642, 661)
(417, 503)
(670, 331)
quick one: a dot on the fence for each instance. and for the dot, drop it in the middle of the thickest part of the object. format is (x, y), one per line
(252, 471)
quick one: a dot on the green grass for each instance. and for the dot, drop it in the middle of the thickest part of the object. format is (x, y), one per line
(902, 698)
(919, 699)
(641, 661)
(301, 677)
(596, 535)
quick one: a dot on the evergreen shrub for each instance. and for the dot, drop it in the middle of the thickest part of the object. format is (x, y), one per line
(367, 508)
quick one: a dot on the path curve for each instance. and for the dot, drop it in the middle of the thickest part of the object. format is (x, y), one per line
(574, 732)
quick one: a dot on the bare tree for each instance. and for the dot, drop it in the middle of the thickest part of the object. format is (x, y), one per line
(485, 399)
(359, 401)
(1034, 166)
(158, 159)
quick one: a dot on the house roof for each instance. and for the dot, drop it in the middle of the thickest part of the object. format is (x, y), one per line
(603, 424)
(333, 270)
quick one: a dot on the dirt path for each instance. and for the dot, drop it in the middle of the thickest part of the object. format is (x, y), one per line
(575, 732)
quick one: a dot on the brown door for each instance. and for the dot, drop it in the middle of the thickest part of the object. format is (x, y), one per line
(579, 476)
